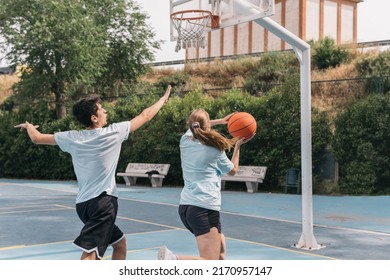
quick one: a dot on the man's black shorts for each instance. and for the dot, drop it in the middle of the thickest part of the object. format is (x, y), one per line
(99, 231)
(199, 220)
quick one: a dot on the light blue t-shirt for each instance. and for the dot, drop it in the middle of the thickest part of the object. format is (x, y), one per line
(95, 155)
(202, 167)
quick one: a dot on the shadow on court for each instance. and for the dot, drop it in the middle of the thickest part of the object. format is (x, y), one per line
(38, 221)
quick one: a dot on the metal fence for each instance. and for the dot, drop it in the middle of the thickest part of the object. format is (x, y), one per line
(340, 87)
(362, 46)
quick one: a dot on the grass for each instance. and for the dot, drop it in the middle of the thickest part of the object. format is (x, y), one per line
(333, 96)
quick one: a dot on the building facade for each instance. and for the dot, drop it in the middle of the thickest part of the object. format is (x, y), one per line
(308, 19)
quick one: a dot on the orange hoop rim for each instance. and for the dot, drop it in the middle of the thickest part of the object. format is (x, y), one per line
(174, 15)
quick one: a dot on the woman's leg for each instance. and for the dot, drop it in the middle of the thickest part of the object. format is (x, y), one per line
(205, 225)
(209, 245)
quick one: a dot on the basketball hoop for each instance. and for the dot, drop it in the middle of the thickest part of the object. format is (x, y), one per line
(190, 26)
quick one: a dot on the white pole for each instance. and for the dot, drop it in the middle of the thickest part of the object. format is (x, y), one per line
(302, 50)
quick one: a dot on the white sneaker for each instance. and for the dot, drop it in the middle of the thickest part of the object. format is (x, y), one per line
(165, 254)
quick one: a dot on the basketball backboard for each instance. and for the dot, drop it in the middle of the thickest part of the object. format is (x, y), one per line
(227, 12)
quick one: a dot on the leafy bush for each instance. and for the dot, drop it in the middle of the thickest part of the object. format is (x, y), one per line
(271, 70)
(361, 145)
(279, 138)
(378, 69)
(326, 54)
(23, 159)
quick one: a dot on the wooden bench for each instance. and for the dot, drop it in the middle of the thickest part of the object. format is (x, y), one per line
(156, 172)
(251, 175)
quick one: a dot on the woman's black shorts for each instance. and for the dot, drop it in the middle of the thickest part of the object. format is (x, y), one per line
(199, 220)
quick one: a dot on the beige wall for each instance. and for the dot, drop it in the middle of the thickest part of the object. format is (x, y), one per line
(315, 20)
(347, 24)
(312, 19)
(330, 19)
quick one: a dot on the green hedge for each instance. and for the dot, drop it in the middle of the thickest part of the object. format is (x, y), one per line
(361, 144)
(276, 145)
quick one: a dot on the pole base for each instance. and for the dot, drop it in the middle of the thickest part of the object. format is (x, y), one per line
(308, 243)
(303, 247)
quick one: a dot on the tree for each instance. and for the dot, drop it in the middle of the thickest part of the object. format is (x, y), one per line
(75, 46)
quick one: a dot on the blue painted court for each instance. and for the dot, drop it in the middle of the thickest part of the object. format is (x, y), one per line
(38, 221)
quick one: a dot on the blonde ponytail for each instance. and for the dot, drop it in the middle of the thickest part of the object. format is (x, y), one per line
(199, 123)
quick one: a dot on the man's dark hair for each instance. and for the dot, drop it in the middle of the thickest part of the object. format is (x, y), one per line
(85, 108)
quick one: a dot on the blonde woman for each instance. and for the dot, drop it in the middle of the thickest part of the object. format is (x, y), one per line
(204, 161)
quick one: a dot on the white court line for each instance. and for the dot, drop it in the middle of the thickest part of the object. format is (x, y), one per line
(37, 187)
(31, 211)
(27, 206)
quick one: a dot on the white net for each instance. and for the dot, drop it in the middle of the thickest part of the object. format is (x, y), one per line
(190, 26)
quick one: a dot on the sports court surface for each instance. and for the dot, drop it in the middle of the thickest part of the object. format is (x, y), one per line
(38, 221)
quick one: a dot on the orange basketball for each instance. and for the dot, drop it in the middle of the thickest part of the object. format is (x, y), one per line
(242, 124)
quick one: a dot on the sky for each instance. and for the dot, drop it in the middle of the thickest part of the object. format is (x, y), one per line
(373, 24)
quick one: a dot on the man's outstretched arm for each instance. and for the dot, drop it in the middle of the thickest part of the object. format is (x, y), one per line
(150, 112)
(35, 136)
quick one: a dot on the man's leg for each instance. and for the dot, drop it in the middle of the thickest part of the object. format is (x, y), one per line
(119, 249)
(222, 253)
(88, 256)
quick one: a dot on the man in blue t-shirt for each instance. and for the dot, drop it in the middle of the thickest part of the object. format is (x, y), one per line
(95, 153)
